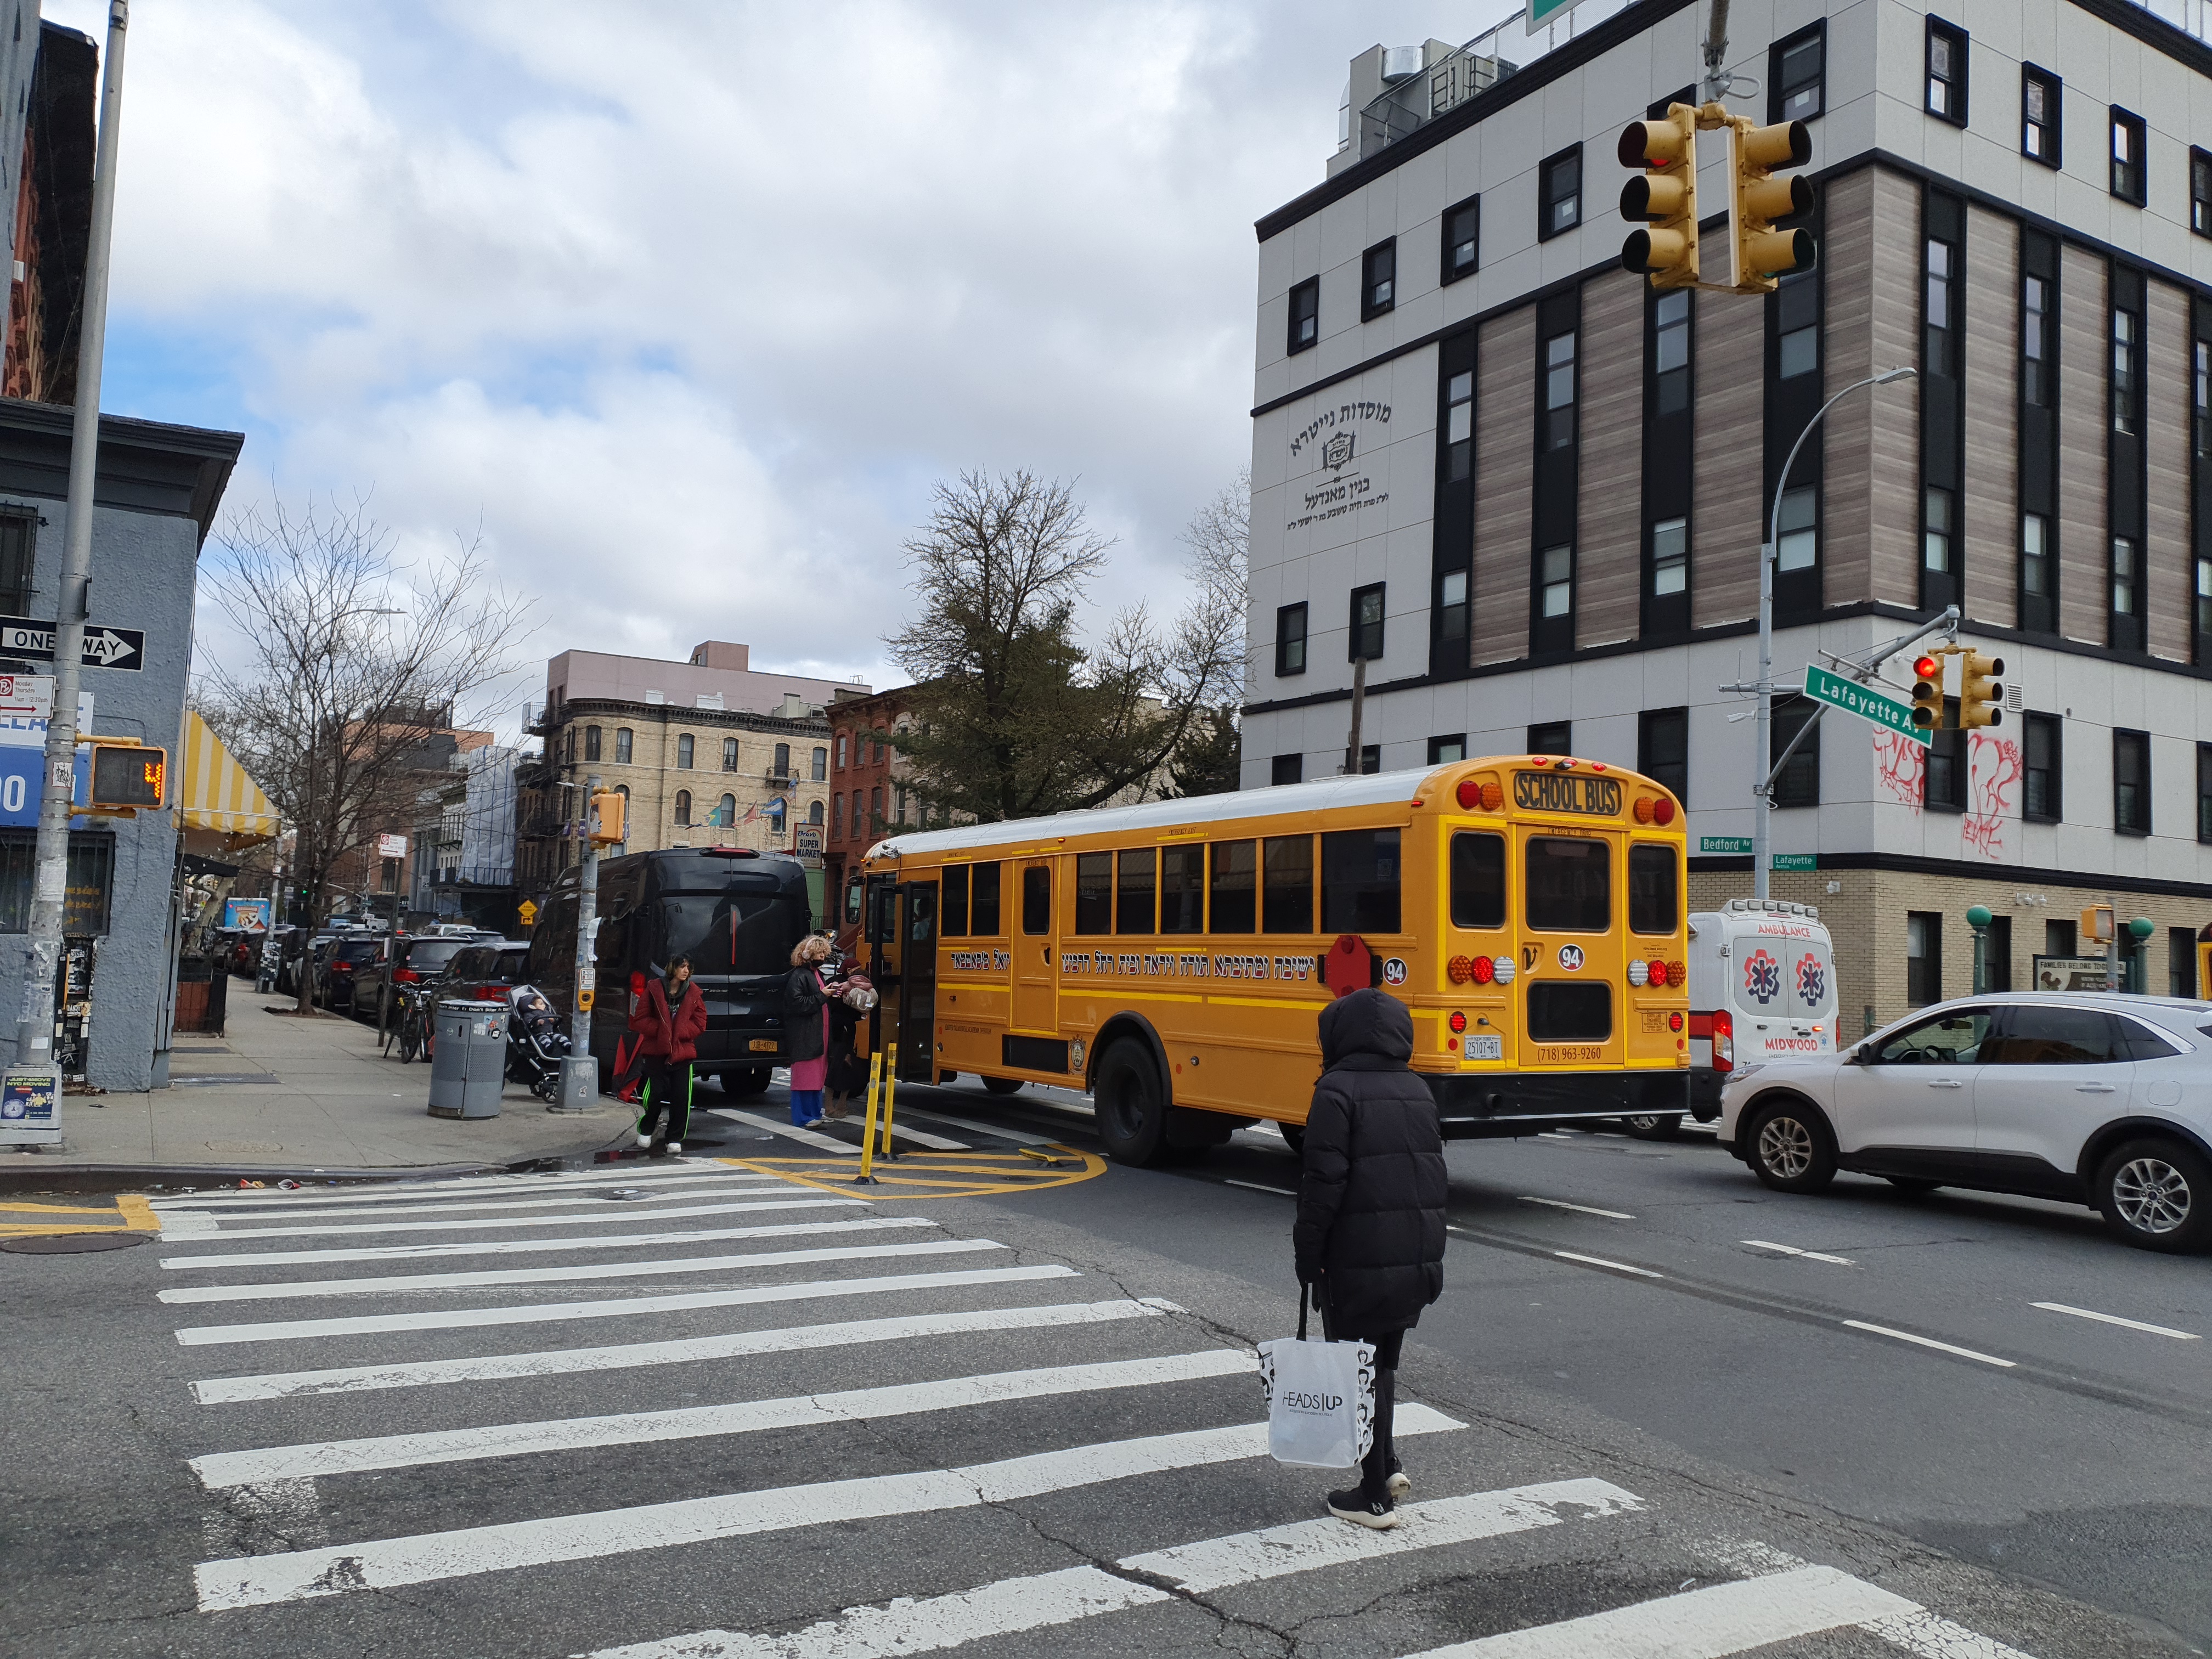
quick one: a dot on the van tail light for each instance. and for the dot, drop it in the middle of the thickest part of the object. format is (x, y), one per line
(405, 976)
(1724, 1041)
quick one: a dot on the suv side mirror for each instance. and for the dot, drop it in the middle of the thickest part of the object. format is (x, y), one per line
(1863, 1054)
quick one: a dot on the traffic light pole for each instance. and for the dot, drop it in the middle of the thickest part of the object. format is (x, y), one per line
(580, 1072)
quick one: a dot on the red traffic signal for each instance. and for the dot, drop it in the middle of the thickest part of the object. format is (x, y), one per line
(1926, 668)
(1927, 693)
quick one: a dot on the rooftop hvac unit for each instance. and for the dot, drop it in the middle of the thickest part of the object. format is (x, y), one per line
(1400, 62)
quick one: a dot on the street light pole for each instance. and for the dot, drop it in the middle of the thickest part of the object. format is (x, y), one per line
(1762, 798)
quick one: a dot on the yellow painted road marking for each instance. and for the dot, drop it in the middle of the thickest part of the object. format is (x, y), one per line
(922, 1175)
(129, 1214)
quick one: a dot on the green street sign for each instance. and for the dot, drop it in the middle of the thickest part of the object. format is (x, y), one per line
(1796, 861)
(1724, 843)
(1891, 714)
(1542, 12)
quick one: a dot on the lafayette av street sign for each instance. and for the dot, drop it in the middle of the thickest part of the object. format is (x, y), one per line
(104, 648)
(1891, 714)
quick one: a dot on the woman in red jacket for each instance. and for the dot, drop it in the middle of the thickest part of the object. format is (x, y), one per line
(667, 1017)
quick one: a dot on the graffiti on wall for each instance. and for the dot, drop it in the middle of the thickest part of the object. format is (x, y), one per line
(1900, 768)
(1995, 769)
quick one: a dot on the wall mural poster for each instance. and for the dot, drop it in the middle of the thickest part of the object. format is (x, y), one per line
(1990, 826)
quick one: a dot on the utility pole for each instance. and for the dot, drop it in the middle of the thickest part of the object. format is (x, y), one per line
(1358, 707)
(1715, 85)
(580, 1072)
(34, 1026)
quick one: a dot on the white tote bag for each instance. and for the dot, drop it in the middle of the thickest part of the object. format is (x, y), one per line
(1321, 1398)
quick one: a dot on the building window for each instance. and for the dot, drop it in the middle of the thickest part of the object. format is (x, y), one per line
(1559, 430)
(1463, 239)
(2204, 792)
(1291, 639)
(1797, 321)
(841, 750)
(1937, 530)
(2039, 377)
(1798, 67)
(1366, 642)
(1945, 787)
(1551, 737)
(2200, 191)
(590, 743)
(569, 747)
(899, 803)
(2127, 334)
(821, 764)
(1670, 557)
(19, 534)
(1452, 610)
(2131, 782)
(1305, 316)
(838, 815)
(1799, 782)
(814, 811)
(1287, 769)
(1443, 751)
(1663, 749)
(625, 740)
(1998, 953)
(1947, 72)
(2124, 576)
(781, 765)
(2181, 962)
(726, 811)
(1670, 351)
(1459, 427)
(683, 753)
(2200, 399)
(2203, 605)
(2042, 799)
(683, 808)
(1370, 758)
(1941, 354)
(1559, 194)
(1923, 958)
(729, 754)
(2128, 176)
(875, 810)
(1555, 578)
(1800, 523)
(1378, 280)
(2040, 105)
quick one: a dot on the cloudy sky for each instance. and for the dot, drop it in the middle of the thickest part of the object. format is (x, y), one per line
(687, 303)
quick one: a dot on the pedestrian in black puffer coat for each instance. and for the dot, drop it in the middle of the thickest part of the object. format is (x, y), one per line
(1371, 1229)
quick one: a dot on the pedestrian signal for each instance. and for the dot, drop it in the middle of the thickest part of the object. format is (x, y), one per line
(127, 776)
(1927, 693)
(1979, 693)
(1757, 198)
(1664, 193)
(606, 820)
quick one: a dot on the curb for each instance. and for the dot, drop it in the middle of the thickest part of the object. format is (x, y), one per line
(66, 1177)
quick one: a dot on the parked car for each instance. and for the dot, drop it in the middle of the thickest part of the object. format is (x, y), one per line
(2085, 1097)
(485, 970)
(406, 959)
(336, 966)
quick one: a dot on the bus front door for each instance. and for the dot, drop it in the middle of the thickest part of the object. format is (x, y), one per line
(917, 982)
(1037, 999)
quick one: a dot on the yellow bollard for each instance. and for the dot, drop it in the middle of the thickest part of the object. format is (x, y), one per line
(866, 1177)
(890, 1094)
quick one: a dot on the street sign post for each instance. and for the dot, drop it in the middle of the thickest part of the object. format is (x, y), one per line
(1868, 703)
(104, 648)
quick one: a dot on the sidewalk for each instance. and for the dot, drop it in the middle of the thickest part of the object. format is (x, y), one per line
(281, 1095)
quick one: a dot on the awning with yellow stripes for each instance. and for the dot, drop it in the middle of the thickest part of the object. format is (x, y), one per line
(215, 793)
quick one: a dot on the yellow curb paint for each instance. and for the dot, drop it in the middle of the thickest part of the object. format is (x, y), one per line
(914, 1171)
(138, 1214)
(58, 1209)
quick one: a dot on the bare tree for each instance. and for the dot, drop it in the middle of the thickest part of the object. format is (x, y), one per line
(350, 664)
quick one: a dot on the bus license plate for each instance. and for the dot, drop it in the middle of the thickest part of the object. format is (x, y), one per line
(1486, 1048)
(764, 1045)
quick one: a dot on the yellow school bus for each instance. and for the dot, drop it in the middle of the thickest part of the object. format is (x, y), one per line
(1173, 958)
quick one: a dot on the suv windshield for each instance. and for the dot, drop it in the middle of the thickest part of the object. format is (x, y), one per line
(731, 933)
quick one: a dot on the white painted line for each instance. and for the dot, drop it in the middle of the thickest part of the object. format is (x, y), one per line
(1791, 1249)
(680, 1237)
(403, 1284)
(387, 1563)
(1921, 1632)
(2114, 1319)
(1254, 1186)
(598, 1215)
(1928, 1342)
(1019, 1137)
(902, 1130)
(1703, 1624)
(1045, 1600)
(310, 1223)
(790, 1339)
(407, 1451)
(789, 1131)
(1580, 1209)
(504, 1186)
(1600, 1261)
(539, 1313)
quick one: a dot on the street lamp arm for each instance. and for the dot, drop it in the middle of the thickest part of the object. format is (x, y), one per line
(1782, 483)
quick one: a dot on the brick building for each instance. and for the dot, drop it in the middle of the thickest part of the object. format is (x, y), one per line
(869, 782)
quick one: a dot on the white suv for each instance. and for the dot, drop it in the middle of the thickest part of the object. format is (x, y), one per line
(2099, 1100)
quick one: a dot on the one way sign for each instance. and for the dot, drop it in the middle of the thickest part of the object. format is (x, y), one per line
(104, 648)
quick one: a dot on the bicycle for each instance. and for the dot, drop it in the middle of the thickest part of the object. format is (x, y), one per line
(415, 1035)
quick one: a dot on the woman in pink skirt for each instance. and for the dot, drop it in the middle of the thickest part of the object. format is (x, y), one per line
(806, 1018)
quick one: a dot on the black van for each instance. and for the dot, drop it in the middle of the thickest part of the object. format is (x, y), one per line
(735, 912)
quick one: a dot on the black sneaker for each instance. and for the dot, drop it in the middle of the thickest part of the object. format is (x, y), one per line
(1356, 1506)
(1399, 1483)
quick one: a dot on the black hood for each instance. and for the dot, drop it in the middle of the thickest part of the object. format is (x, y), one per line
(1367, 1023)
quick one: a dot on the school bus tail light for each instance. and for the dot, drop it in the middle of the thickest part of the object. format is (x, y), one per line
(1458, 1020)
(1462, 969)
(1663, 811)
(1481, 971)
(1654, 973)
(1678, 973)
(1475, 796)
(1639, 972)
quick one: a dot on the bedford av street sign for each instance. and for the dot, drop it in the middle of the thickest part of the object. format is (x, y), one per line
(104, 648)
(1891, 714)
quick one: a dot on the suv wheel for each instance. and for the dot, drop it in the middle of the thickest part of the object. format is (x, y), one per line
(2157, 1195)
(1792, 1149)
(1131, 1115)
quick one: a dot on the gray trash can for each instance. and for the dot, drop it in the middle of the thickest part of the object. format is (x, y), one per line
(468, 1069)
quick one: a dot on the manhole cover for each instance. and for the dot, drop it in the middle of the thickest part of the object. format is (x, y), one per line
(71, 1243)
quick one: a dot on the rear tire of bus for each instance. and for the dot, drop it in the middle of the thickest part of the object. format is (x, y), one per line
(1294, 1137)
(1132, 1113)
(744, 1082)
(1654, 1126)
(1003, 1085)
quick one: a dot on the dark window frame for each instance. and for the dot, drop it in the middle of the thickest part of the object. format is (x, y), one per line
(1550, 174)
(1293, 764)
(1286, 907)
(1137, 890)
(1378, 270)
(2052, 129)
(1954, 79)
(2200, 191)
(1357, 631)
(2049, 730)
(1800, 785)
(1304, 307)
(1093, 915)
(1782, 92)
(2204, 792)
(19, 561)
(1450, 238)
(2131, 753)
(1923, 974)
(1949, 746)
(1540, 731)
(1672, 774)
(1447, 740)
(1286, 640)
(2128, 180)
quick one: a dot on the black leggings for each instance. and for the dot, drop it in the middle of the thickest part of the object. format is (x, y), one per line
(1375, 1468)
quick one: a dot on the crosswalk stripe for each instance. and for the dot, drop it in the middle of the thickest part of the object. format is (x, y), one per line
(1045, 1599)
(384, 1564)
(458, 1216)
(521, 1245)
(1703, 1624)
(789, 1131)
(402, 1451)
(703, 1168)
(1922, 1633)
(534, 1313)
(902, 1130)
(404, 1283)
(789, 1338)
(1019, 1137)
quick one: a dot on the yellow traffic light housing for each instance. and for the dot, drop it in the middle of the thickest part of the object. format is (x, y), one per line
(1927, 693)
(127, 777)
(1758, 252)
(1664, 195)
(2096, 925)
(606, 820)
(1979, 693)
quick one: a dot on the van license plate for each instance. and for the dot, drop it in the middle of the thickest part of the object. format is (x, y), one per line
(762, 1045)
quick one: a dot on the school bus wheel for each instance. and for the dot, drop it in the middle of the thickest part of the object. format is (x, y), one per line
(1132, 1105)
(1003, 1085)
(1294, 1136)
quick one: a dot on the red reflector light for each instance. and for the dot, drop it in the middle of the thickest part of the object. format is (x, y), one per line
(405, 976)
(1662, 811)
(1458, 1021)
(1484, 971)
(1468, 794)
(1674, 1021)
(1658, 974)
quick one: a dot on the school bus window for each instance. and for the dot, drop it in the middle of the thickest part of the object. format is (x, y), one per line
(1563, 1010)
(1235, 909)
(1478, 881)
(954, 923)
(1094, 892)
(1359, 881)
(984, 901)
(921, 914)
(1182, 890)
(1132, 895)
(1653, 901)
(1569, 885)
(1037, 899)
(1287, 904)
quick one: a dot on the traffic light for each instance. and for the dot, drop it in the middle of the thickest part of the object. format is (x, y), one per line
(1758, 252)
(127, 776)
(607, 828)
(1978, 691)
(1664, 192)
(1927, 693)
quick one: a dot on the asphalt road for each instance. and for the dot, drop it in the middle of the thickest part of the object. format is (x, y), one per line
(525, 1417)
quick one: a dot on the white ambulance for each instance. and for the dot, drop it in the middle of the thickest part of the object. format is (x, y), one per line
(1762, 983)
